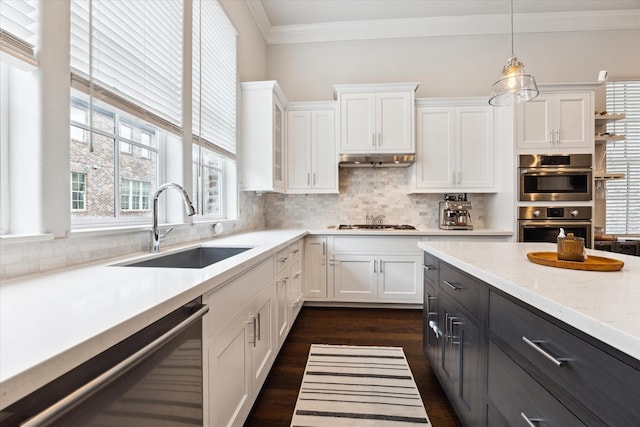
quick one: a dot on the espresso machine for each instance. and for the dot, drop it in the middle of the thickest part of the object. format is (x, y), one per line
(454, 213)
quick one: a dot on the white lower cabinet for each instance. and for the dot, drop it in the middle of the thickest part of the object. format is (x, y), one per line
(239, 357)
(363, 269)
(248, 320)
(377, 278)
(315, 267)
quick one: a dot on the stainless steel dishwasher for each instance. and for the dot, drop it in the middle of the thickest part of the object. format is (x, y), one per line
(152, 378)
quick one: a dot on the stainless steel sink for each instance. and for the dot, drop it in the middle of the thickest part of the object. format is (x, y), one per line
(199, 257)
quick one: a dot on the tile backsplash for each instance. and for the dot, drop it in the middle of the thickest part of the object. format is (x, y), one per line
(363, 191)
(21, 259)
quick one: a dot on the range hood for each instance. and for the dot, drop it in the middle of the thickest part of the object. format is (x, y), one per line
(376, 160)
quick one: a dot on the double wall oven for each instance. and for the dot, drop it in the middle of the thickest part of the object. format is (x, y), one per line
(555, 178)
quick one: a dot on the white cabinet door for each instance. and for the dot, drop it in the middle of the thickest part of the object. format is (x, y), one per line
(455, 149)
(299, 150)
(282, 311)
(394, 113)
(230, 385)
(263, 344)
(556, 122)
(475, 148)
(312, 164)
(315, 267)
(399, 277)
(357, 118)
(377, 121)
(295, 296)
(324, 162)
(354, 278)
(435, 149)
(263, 151)
(278, 144)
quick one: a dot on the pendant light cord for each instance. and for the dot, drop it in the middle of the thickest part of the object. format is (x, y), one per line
(512, 28)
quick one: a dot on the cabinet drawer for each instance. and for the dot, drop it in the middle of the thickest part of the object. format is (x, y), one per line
(514, 395)
(376, 245)
(430, 267)
(295, 249)
(228, 300)
(602, 383)
(469, 292)
(282, 259)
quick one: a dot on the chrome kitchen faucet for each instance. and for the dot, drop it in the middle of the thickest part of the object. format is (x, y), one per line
(187, 204)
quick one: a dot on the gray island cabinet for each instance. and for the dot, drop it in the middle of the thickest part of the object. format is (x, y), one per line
(504, 360)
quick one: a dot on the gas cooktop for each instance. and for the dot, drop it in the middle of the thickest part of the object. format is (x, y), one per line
(375, 227)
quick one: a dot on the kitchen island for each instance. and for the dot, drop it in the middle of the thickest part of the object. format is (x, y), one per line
(512, 340)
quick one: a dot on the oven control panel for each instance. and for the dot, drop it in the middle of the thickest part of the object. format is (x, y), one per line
(555, 212)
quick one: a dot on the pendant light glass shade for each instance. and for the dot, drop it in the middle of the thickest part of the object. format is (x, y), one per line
(514, 87)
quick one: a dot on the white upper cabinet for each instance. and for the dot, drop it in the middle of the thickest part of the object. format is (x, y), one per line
(455, 149)
(312, 163)
(263, 136)
(556, 122)
(376, 118)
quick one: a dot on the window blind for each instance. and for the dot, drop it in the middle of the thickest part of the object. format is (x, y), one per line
(129, 53)
(214, 77)
(18, 23)
(623, 195)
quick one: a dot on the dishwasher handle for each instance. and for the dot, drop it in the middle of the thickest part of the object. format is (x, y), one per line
(78, 396)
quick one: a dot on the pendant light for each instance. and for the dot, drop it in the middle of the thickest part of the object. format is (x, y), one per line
(515, 86)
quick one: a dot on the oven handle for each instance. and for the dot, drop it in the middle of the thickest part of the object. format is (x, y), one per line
(81, 394)
(537, 224)
(566, 171)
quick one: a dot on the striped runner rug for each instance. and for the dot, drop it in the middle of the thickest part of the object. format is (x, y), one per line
(358, 386)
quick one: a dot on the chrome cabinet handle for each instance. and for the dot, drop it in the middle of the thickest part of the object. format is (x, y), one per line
(373, 139)
(558, 136)
(428, 267)
(379, 140)
(550, 140)
(429, 312)
(381, 267)
(452, 286)
(258, 327)
(81, 394)
(314, 178)
(284, 259)
(323, 249)
(530, 421)
(375, 266)
(535, 345)
(308, 179)
(454, 322)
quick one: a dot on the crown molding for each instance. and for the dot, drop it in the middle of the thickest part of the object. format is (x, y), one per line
(628, 19)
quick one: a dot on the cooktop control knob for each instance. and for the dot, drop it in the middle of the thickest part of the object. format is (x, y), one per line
(574, 212)
(536, 213)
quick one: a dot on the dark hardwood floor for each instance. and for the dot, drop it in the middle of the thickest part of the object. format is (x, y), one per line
(361, 326)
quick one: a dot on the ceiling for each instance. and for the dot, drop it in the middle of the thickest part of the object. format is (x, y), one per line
(295, 21)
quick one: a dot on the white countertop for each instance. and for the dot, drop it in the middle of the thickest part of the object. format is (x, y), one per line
(52, 322)
(605, 305)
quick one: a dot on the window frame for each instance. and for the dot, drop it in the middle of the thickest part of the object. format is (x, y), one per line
(623, 195)
(83, 191)
(120, 117)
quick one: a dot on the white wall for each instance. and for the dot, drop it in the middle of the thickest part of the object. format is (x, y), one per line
(451, 66)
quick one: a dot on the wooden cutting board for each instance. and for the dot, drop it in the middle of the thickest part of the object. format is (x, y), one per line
(592, 263)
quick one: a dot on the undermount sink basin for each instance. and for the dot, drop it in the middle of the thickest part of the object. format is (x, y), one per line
(199, 257)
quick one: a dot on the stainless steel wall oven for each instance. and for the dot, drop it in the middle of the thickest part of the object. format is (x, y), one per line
(542, 223)
(555, 177)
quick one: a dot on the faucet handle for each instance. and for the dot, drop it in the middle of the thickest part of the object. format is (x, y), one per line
(164, 236)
